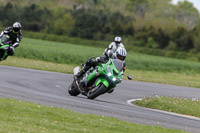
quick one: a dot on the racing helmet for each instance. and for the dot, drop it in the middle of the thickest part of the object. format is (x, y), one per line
(121, 53)
(117, 40)
(16, 27)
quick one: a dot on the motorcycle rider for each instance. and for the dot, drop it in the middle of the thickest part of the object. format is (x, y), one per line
(108, 53)
(113, 46)
(120, 54)
(15, 36)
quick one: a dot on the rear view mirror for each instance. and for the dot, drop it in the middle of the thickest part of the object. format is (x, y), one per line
(129, 77)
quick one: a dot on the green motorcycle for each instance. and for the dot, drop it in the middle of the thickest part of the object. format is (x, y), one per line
(4, 47)
(99, 80)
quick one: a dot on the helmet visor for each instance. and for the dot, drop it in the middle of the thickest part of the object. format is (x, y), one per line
(122, 58)
(117, 42)
(16, 29)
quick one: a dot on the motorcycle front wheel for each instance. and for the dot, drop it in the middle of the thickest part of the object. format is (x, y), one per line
(96, 92)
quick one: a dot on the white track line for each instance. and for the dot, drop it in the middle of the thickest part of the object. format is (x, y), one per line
(171, 113)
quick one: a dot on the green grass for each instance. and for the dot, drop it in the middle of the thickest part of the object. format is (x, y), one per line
(172, 78)
(171, 104)
(56, 52)
(180, 79)
(65, 53)
(40, 65)
(18, 116)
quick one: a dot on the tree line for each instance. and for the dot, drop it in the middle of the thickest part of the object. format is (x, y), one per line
(143, 23)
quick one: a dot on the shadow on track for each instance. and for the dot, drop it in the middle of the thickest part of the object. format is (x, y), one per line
(97, 100)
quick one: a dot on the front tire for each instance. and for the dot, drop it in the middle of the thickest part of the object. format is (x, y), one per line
(72, 90)
(96, 92)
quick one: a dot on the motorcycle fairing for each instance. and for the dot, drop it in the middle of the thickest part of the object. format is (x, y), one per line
(101, 71)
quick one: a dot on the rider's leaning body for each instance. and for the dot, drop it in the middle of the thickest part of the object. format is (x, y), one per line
(115, 50)
(120, 54)
(14, 34)
(113, 47)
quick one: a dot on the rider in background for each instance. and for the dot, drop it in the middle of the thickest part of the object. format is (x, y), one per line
(115, 50)
(113, 47)
(14, 35)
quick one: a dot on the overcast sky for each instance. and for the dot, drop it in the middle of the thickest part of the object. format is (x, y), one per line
(196, 3)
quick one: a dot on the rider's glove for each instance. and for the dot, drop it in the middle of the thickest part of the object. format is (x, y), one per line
(90, 62)
(98, 59)
(109, 53)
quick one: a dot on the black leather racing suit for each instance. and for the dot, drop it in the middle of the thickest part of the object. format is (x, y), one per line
(14, 37)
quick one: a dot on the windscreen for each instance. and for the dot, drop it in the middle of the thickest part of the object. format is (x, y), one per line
(118, 64)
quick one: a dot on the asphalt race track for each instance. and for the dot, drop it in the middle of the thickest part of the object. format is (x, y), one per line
(50, 88)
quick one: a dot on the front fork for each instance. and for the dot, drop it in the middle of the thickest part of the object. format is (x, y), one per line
(3, 52)
(3, 55)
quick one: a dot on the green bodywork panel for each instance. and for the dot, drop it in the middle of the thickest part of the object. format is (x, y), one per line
(101, 71)
(4, 46)
(104, 81)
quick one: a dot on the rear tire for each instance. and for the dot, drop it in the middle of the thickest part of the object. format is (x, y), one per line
(97, 92)
(72, 90)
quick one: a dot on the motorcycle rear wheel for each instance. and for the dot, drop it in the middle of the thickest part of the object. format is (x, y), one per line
(96, 92)
(72, 90)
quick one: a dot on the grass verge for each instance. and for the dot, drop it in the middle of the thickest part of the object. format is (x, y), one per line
(180, 79)
(65, 53)
(18, 116)
(171, 104)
